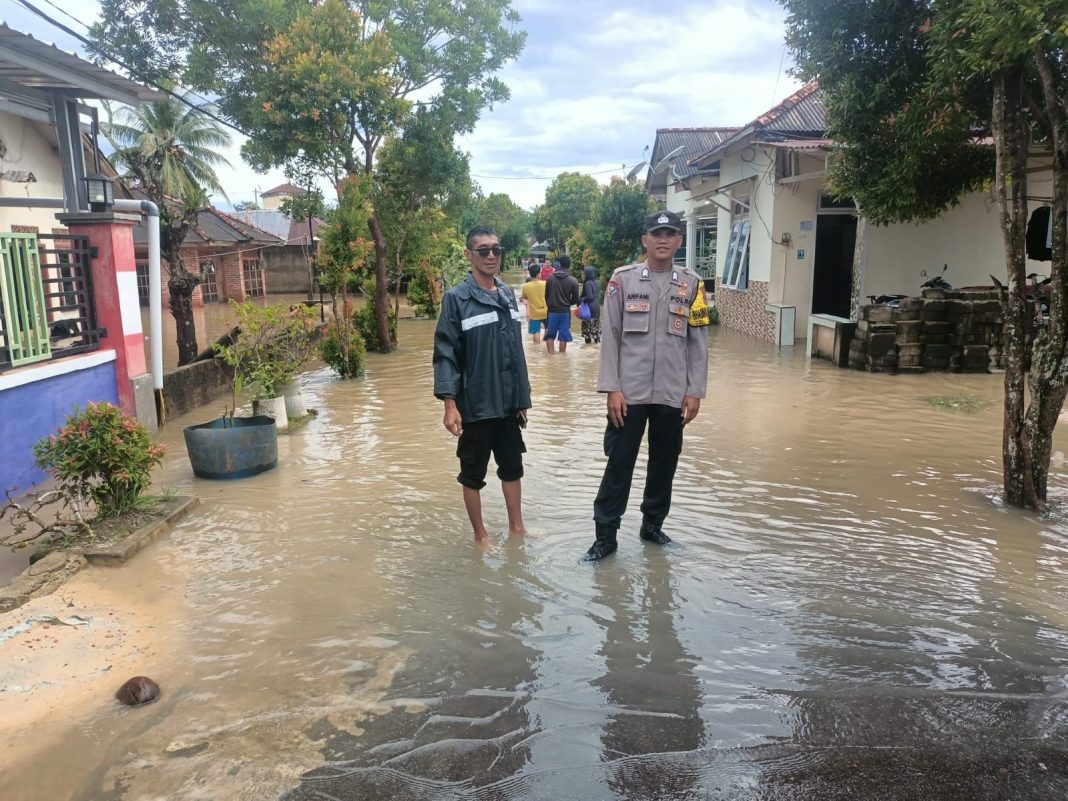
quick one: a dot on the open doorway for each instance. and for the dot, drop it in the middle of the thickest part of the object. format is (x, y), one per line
(832, 269)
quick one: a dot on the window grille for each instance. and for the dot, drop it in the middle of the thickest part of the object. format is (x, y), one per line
(252, 269)
(209, 282)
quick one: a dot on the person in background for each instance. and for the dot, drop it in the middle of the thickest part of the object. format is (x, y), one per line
(561, 293)
(480, 373)
(591, 296)
(533, 294)
(654, 371)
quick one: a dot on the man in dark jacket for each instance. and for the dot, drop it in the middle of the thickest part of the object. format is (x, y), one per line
(561, 293)
(480, 373)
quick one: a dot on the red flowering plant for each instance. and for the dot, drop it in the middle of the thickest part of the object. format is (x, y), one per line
(101, 455)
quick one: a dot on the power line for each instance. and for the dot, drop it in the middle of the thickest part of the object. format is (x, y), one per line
(180, 98)
(534, 177)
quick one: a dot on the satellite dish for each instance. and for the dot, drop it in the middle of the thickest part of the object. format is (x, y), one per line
(634, 172)
(664, 162)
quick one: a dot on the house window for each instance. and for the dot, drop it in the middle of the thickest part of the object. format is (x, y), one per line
(736, 263)
(142, 282)
(253, 273)
(209, 282)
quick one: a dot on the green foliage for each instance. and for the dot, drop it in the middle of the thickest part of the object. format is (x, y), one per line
(366, 322)
(169, 149)
(453, 266)
(424, 292)
(906, 148)
(273, 344)
(569, 203)
(614, 229)
(327, 82)
(347, 360)
(100, 455)
(512, 224)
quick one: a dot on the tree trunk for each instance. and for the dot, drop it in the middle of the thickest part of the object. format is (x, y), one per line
(180, 286)
(1023, 484)
(385, 340)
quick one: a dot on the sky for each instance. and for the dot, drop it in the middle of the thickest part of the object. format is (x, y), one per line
(594, 82)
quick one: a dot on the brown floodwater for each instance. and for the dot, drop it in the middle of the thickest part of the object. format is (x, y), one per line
(850, 612)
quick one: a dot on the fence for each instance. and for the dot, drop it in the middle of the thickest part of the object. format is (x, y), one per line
(46, 298)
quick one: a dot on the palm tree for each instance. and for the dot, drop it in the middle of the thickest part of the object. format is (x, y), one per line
(169, 150)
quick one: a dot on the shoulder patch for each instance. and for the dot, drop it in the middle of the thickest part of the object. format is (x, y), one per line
(613, 288)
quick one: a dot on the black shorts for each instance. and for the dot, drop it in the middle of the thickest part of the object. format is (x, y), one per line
(502, 436)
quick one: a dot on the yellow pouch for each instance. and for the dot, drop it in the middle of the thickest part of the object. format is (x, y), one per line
(699, 308)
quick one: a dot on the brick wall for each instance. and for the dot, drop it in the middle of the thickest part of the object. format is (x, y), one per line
(744, 311)
(231, 281)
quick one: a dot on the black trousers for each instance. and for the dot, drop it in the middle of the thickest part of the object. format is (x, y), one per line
(621, 446)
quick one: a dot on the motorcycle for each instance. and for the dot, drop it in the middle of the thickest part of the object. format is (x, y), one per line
(894, 301)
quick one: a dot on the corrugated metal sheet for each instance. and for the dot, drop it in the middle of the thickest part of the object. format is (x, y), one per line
(39, 66)
(695, 140)
(802, 112)
(279, 224)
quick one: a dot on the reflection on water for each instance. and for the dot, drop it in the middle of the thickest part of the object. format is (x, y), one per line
(850, 613)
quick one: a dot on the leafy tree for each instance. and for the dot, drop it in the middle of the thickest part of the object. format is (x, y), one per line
(168, 150)
(511, 223)
(246, 205)
(569, 203)
(422, 188)
(328, 81)
(615, 227)
(910, 87)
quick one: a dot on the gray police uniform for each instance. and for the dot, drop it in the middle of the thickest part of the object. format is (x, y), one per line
(651, 353)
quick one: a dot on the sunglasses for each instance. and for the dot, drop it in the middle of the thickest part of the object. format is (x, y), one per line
(485, 251)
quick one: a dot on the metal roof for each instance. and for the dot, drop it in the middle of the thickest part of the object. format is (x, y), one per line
(279, 224)
(800, 116)
(214, 227)
(38, 69)
(695, 141)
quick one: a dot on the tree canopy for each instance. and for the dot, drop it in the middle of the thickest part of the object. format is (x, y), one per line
(569, 203)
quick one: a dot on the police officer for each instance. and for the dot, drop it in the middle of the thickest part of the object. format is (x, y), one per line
(654, 369)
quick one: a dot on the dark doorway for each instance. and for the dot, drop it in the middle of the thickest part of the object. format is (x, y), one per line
(832, 279)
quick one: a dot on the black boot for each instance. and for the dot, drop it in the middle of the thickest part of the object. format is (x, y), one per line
(604, 545)
(650, 532)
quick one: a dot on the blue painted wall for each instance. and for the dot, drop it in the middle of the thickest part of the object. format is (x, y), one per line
(32, 411)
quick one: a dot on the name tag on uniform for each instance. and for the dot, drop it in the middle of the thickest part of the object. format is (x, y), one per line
(637, 306)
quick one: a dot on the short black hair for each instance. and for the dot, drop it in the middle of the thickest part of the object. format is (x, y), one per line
(479, 230)
(565, 262)
(534, 270)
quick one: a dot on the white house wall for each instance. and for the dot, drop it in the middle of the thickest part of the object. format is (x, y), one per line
(29, 149)
(792, 264)
(967, 238)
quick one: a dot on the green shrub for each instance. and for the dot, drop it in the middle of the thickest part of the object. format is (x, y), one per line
(330, 350)
(273, 344)
(367, 323)
(101, 455)
(713, 315)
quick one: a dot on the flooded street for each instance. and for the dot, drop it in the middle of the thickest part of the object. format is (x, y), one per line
(850, 613)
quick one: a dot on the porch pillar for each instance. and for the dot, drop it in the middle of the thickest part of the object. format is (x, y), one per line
(118, 309)
(691, 241)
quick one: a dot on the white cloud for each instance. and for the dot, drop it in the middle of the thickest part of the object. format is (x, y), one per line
(595, 81)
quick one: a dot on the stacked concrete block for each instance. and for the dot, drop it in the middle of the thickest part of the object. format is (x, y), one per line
(952, 330)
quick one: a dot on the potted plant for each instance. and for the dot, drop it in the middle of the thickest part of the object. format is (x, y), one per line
(272, 344)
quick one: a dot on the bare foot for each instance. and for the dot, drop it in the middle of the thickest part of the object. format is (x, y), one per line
(517, 532)
(485, 543)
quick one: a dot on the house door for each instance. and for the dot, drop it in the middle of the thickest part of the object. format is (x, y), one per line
(832, 273)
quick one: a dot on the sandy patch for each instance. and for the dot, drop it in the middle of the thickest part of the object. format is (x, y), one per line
(54, 675)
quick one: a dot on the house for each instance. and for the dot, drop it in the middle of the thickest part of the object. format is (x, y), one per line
(287, 266)
(70, 328)
(680, 186)
(785, 247)
(227, 253)
(273, 198)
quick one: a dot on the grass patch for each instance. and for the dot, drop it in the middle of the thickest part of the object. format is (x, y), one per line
(963, 402)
